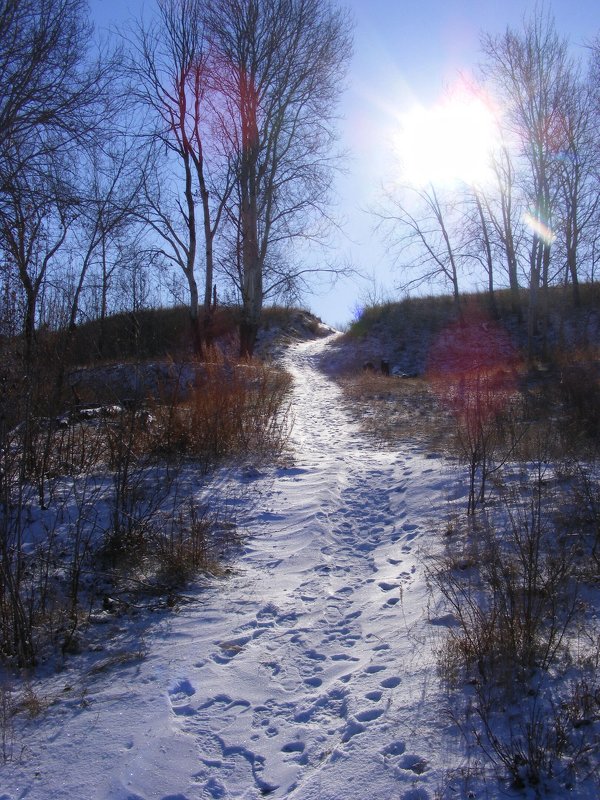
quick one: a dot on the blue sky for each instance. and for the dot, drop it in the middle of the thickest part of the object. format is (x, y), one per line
(404, 52)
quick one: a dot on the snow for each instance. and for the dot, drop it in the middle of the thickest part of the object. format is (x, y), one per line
(308, 672)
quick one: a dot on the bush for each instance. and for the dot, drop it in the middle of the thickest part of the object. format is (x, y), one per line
(233, 410)
(512, 587)
(83, 493)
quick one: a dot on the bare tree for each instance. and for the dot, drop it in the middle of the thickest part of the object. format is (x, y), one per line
(504, 209)
(531, 70)
(423, 230)
(49, 88)
(579, 175)
(54, 101)
(173, 81)
(536, 221)
(34, 221)
(280, 65)
(483, 243)
(112, 178)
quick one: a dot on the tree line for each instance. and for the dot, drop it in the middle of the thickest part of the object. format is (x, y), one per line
(196, 145)
(536, 223)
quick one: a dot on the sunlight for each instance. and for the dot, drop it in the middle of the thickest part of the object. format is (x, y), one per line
(449, 143)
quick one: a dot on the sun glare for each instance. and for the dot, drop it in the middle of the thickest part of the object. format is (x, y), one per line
(537, 226)
(449, 143)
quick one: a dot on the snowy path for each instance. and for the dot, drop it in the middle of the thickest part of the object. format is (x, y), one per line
(307, 674)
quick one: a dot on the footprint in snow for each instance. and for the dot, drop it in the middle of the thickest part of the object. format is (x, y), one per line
(179, 698)
(296, 750)
(293, 747)
(352, 729)
(273, 666)
(387, 587)
(396, 748)
(313, 681)
(412, 763)
(214, 788)
(390, 683)
(315, 656)
(269, 729)
(182, 689)
(366, 547)
(382, 646)
(374, 668)
(369, 714)
(232, 647)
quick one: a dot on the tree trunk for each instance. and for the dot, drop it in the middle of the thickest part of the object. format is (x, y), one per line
(248, 333)
(488, 257)
(534, 288)
(515, 299)
(252, 284)
(196, 333)
(571, 242)
(29, 327)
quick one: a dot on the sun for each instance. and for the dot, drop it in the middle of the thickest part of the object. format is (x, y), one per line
(449, 143)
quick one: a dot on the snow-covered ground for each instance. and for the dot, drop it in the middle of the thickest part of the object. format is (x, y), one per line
(308, 672)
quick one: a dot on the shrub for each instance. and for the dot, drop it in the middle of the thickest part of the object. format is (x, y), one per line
(189, 545)
(99, 479)
(473, 368)
(233, 410)
(512, 588)
(517, 598)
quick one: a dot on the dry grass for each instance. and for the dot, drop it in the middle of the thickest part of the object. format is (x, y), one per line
(191, 544)
(233, 410)
(392, 409)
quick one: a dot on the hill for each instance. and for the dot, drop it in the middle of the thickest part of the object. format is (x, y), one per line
(403, 333)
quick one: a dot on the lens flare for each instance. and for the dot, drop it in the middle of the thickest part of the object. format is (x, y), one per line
(541, 230)
(473, 367)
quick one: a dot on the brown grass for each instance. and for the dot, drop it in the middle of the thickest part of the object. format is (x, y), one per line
(392, 409)
(233, 410)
